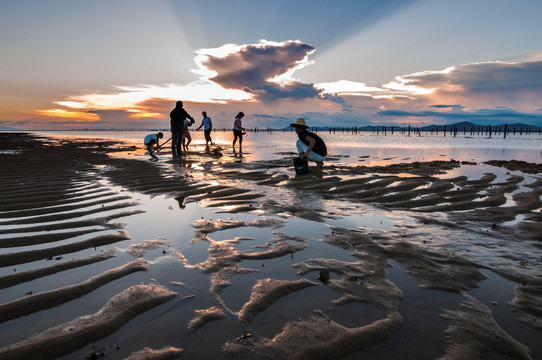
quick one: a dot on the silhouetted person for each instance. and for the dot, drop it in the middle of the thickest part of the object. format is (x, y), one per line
(177, 116)
(238, 132)
(207, 128)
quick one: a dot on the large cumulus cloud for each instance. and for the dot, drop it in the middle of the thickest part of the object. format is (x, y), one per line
(264, 70)
(254, 65)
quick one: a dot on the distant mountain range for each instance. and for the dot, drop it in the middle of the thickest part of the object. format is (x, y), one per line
(467, 125)
(459, 127)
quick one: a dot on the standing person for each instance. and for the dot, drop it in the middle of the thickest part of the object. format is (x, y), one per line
(186, 133)
(177, 116)
(238, 132)
(309, 145)
(152, 142)
(207, 128)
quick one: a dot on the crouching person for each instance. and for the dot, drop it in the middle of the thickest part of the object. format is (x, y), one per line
(152, 142)
(309, 145)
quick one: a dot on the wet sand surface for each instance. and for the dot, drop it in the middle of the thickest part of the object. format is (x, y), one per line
(107, 253)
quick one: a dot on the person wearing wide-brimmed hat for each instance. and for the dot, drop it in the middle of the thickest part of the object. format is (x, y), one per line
(309, 145)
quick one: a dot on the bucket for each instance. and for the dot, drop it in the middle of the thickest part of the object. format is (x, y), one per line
(301, 166)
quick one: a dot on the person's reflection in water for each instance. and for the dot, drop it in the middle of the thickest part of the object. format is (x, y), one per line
(180, 200)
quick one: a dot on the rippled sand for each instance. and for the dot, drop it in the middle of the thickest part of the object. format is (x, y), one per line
(278, 265)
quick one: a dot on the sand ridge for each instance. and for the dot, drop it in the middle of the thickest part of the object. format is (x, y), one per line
(52, 298)
(70, 336)
(473, 330)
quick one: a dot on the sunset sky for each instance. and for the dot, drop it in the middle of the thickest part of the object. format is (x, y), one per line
(69, 64)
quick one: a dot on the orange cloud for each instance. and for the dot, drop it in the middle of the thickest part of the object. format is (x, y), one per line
(141, 114)
(78, 116)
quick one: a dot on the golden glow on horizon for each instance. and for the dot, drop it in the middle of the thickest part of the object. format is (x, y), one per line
(78, 116)
(138, 114)
(130, 98)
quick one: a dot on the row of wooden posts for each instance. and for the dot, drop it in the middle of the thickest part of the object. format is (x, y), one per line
(450, 130)
(454, 130)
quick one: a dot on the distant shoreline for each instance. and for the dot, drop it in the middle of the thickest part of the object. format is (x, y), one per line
(460, 127)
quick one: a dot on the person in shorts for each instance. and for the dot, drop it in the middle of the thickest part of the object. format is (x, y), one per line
(186, 134)
(207, 128)
(238, 132)
(152, 142)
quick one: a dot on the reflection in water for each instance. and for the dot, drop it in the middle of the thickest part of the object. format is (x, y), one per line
(180, 200)
(349, 148)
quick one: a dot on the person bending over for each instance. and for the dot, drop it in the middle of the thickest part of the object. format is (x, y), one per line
(152, 142)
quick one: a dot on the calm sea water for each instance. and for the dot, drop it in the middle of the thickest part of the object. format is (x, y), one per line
(369, 147)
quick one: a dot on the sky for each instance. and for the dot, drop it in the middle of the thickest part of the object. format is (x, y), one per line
(103, 64)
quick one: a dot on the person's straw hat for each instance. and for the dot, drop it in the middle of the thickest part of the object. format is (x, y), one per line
(300, 122)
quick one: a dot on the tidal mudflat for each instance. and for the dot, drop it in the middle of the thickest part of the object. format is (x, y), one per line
(106, 253)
